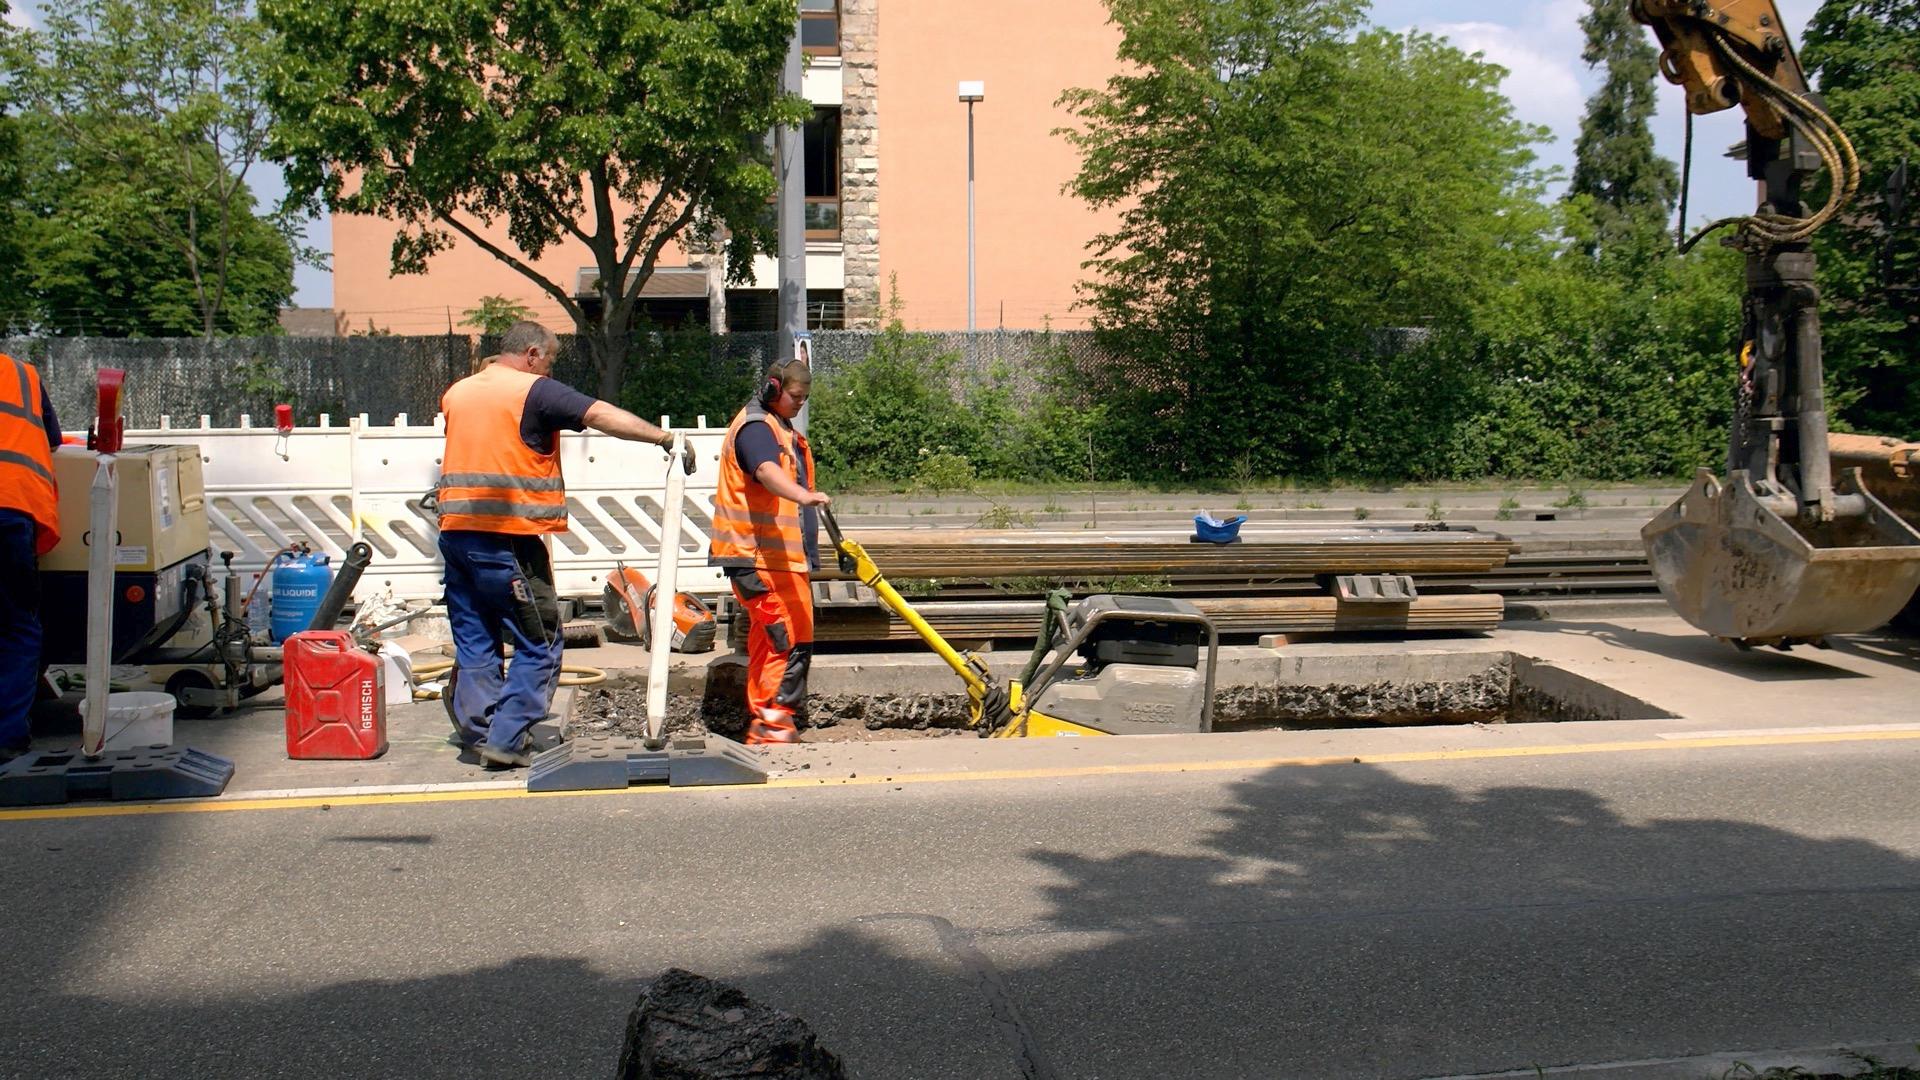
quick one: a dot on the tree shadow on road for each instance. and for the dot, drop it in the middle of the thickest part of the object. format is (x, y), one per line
(1339, 921)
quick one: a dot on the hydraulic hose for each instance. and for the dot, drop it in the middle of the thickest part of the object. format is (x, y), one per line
(570, 674)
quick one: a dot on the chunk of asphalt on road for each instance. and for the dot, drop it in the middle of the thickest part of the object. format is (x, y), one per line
(689, 1027)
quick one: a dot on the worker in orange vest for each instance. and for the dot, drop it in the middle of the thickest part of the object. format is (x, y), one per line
(766, 537)
(29, 528)
(500, 494)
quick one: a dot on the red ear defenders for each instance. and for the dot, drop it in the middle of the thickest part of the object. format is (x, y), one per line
(770, 393)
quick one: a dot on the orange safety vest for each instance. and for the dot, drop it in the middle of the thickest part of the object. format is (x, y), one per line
(26, 462)
(753, 527)
(490, 479)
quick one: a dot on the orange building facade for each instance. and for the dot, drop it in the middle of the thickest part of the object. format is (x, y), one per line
(886, 187)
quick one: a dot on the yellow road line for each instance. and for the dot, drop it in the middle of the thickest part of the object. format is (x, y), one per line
(787, 783)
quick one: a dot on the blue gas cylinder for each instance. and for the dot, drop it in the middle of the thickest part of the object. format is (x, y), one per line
(299, 583)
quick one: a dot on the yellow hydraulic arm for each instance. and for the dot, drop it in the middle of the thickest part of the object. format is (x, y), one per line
(1736, 52)
(989, 704)
(1703, 43)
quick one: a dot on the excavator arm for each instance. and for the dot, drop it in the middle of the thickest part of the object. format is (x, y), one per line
(1694, 36)
(1780, 550)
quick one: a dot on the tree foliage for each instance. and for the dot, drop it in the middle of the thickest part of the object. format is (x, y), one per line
(1865, 57)
(614, 126)
(495, 315)
(152, 115)
(1288, 184)
(12, 291)
(1632, 188)
(93, 262)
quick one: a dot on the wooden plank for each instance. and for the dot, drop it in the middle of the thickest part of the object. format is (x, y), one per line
(936, 553)
(979, 620)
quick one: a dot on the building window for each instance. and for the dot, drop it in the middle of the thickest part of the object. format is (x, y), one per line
(820, 27)
(758, 310)
(822, 146)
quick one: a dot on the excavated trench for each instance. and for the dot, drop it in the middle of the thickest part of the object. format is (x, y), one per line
(1262, 692)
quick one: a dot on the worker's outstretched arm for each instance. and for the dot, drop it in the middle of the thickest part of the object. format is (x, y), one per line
(621, 424)
(775, 479)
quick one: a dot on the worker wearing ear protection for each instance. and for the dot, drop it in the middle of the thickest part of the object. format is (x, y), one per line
(766, 537)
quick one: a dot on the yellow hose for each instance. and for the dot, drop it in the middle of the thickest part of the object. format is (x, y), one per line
(570, 674)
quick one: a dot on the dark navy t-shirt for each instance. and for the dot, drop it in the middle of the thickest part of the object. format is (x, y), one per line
(552, 407)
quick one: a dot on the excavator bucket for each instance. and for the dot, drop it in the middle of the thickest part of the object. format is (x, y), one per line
(1737, 570)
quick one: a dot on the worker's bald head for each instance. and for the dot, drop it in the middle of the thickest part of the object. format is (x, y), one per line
(534, 345)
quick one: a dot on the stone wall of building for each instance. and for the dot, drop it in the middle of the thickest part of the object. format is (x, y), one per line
(860, 150)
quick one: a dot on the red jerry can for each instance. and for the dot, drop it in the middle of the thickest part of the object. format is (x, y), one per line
(336, 698)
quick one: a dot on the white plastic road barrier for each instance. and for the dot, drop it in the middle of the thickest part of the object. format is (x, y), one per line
(365, 482)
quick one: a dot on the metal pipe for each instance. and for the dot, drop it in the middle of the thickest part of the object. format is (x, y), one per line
(1816, 468)
(972, 306)
(358, 557)
(790, 222)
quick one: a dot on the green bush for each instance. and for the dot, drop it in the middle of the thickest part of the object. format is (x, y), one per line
(686, 374)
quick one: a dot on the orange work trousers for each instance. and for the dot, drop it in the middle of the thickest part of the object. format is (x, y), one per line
(779, 605)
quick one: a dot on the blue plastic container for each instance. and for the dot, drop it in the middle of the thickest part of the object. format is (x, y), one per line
(1208, 529)
(299, 584)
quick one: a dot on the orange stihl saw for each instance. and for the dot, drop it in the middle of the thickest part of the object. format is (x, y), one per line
(628, 600)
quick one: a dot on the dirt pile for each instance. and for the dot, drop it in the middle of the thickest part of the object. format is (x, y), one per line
(721, 708)
(689, 1027)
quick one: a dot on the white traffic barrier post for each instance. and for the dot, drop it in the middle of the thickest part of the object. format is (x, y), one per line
(103, 505)
(664, 595)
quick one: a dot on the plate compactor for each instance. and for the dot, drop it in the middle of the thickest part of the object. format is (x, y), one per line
(1107, 665)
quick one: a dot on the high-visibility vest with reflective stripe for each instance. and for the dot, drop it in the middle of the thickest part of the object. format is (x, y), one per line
(751, 525)
(26, 461)
(490, 479)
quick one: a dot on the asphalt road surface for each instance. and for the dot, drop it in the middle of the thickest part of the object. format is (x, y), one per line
(1421, 919)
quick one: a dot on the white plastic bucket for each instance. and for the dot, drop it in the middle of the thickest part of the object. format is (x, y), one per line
(137, 718)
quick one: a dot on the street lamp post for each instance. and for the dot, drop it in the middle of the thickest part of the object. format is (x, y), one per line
(971, 92)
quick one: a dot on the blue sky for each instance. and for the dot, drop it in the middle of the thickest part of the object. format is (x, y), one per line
(1537, 41)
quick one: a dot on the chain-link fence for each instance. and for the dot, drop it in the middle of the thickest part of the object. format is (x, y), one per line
(683, 374)
(224, 378)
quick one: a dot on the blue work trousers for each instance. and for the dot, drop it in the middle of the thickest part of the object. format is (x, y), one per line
(500, 590)
(19, 627)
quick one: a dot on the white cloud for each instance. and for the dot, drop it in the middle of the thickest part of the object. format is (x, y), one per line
(1542, 82)
(18, 15)
(1540, 43)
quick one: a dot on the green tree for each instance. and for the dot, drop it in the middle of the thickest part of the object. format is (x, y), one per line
(495, 315)
(1287, 185)
(13, 301)
(99, 265)
(1865, 56)
(616, 125)
(1631, 186)
(158, 104)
